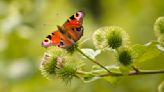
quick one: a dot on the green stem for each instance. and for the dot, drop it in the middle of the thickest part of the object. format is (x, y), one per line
(135, 69)
(141, 72)
(79, 50)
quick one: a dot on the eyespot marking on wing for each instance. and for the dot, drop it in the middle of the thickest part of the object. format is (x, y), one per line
(61, 43)
(78, 29)
(77, 14)
(46, 42)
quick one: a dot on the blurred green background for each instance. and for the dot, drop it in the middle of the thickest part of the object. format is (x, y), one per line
(25, 23)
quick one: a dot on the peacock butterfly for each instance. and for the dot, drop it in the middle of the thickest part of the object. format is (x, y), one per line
(67, 34)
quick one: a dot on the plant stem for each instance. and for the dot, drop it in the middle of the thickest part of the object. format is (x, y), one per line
(131, 73)
(141, 72)
(79, 50)
(136, 69)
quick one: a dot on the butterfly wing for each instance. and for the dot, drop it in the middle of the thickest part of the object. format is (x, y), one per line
(73, 26)
(53, 39)
(68, 34)
(65, 42)
(57, 39)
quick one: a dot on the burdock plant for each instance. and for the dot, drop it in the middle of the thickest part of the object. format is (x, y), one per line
(59, 63)
(110, 37)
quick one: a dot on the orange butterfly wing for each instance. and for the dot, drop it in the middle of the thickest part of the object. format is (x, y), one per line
(53, 39)
(68, 34)
(73, 26)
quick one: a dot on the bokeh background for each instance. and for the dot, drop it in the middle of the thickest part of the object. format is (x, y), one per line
(25, 23)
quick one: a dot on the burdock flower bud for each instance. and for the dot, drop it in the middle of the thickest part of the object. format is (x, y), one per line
(99, 38)
(161, 40)
(58, 63)
(116, 37)
(68, 71)
(110, 37)
(50, 61)
(159, 27)
(125, 56)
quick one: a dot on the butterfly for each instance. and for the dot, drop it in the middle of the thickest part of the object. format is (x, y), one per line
(67, 34)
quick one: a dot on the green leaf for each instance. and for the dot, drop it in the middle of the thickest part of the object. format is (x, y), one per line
(91, 53)
(89, 78)
(112, 68)
(161, 87)
(146, 52)
(160, 47)
(111, 79)
(98, 70)
(125, 69)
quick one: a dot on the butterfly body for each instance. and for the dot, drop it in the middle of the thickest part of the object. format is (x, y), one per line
(67, 34)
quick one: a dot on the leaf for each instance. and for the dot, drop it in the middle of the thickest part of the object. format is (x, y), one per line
(125, 69)
(160, 47)
(113, 68)
(98, 70)
(91, 53)
(89, 78)
(111, 79)
(161, 87)
(146, 52)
